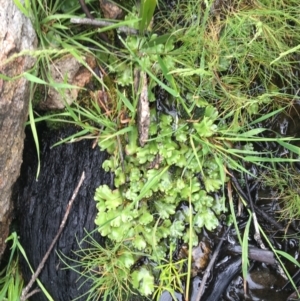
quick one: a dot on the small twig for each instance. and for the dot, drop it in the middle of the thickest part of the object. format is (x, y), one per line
(101, 23)
(210, 265)
(85, 9)
(102, 35)
(25, 295)
(37, 290)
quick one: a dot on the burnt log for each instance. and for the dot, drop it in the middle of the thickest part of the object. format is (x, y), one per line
(41, 205)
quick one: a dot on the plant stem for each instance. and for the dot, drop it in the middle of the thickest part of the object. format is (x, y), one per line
(101, 23)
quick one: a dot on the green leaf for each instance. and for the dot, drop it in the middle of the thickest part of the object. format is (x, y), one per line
(201, 199)
(165, 39)
(206, 218)
(143, 280)
(180, 184)
(177, 229)
(110, 164)
(131, 193)
(143, 155)
(135, 174)
(131, 147)
(150, 184)
(206, 128)
(112, 199)
(139, 242)
(164, 210)
(211, 112)
(120, 178)
(163, 231)
(165, 183)
(127, 259)
(145, 218)
(117, 233)
(212, 185)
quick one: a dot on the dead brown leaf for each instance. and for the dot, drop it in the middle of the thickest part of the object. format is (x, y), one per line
(111, 10)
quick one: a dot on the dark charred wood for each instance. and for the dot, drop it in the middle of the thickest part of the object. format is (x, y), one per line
(223, 275)
(40, 207)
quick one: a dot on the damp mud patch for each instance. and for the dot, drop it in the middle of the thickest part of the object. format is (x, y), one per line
(41, 204)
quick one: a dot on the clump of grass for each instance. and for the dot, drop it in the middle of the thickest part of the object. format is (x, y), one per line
(284, 182)
(231, 53)
(108, 268)
(11, 281)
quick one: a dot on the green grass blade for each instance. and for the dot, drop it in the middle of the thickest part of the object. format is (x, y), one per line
(293, 148)
(147, 9)
(283, 54)
(32, 78)
(266, 116)
(126, 102)
(265, 159)
(166, 73)
(72, 137)
(277, 253)
(190, 72)
(288, 257)
(152, 182)
(253, 132)
(16, 245)
(189, 272)
(35, 137)
(23, 10)
(245, 261)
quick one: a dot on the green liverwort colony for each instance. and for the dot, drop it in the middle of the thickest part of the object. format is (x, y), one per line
(159, 186)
